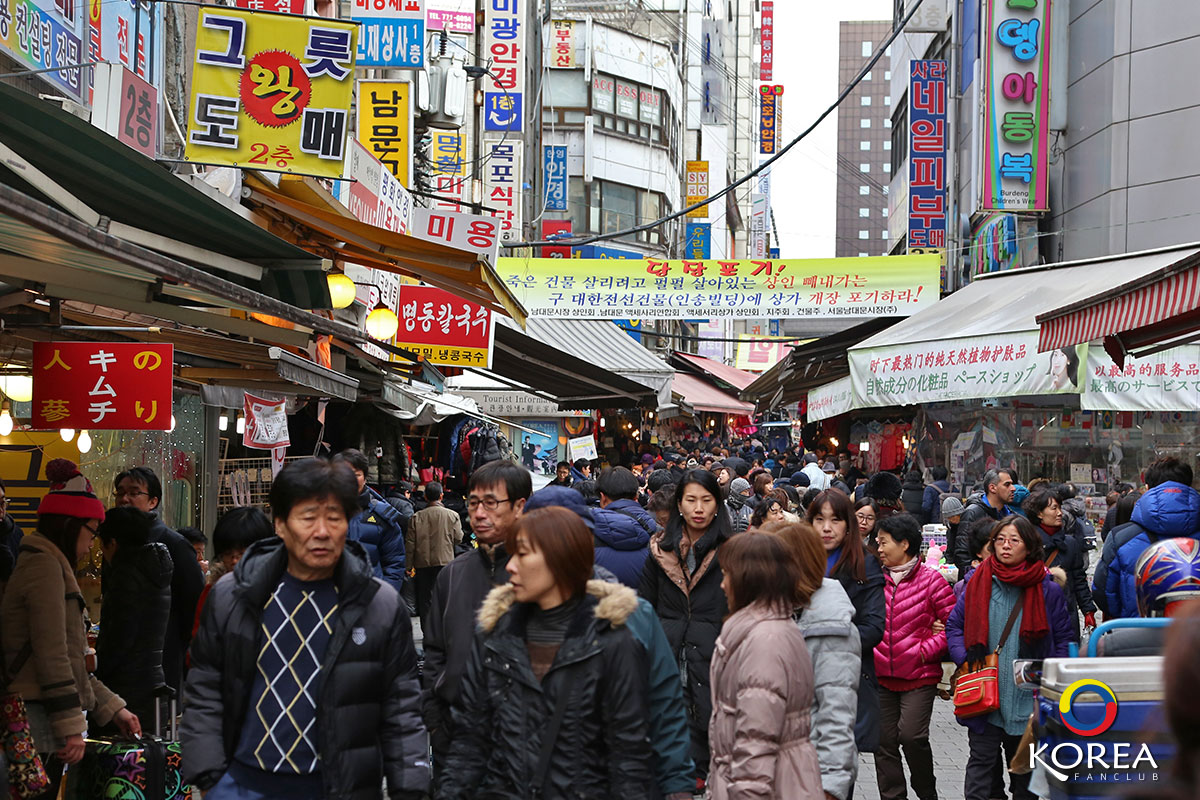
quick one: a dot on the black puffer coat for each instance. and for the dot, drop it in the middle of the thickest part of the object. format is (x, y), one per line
(133, 625)
(601, 750)
(870, 617)
(691, 612)
(368, 709)
(1065, 549)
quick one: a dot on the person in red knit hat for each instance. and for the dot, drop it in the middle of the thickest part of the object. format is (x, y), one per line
(43, 627)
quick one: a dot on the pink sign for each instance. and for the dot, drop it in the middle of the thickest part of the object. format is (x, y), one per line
(280, 6)
(138, 124)
(452, 21)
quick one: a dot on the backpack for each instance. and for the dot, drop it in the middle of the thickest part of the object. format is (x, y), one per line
(936, 517)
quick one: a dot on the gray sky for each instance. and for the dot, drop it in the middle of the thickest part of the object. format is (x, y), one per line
(803, 182)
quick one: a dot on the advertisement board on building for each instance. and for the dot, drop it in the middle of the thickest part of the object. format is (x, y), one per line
(687, 289)
(927, 143)
(278, 6)
(1016, 105)
(393, 33)
(502, 184)
(554, 173)
(627, 99)
(1003, 241)
(604, 94)
(452, 16)
(770, 98)
(830, 400)
(271, 91)
(443, 329)
(551, 227)
(448, 167)
(102, 386)
(47, 35)
(374, 196)
(698, 242)
(125, 107)
(510, 403)
(1165, 381)
(385, 124)
(122, 32)
(697, 187)
(504, 48)
(562, 44)
(766, 57)
(474, 233)
(758, 354)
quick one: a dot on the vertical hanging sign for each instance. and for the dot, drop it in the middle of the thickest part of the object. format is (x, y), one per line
(393, 33)
(562, 44)
(554, 170)
(504, 47)
(770, 98)
(927, 157)
(766, 58)
(697, 187)
(502, 184)
(1016, 113)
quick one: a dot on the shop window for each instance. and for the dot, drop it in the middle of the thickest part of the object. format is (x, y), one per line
(566, 88)
(864, 123)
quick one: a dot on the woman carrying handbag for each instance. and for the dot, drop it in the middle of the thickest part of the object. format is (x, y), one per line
(1009, 593)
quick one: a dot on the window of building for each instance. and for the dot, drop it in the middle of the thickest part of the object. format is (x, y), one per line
(885, 212)
(887, 74)
(865, 100)
(883, 235)
(887, 101)
(566, 88)
(887, 145)
(864, 255)
(864, 212)
(887, 123)
(864, 190)
(864, 123)
(867, 77)
(864, 234)
(887, 167)
(607, 207)
(866, 49)
(864, 167)
(864, 145)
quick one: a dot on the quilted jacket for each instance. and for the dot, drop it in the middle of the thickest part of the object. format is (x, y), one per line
(911, 654)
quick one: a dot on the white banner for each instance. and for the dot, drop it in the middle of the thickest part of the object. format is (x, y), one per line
(830, 400)
(1166, 381)
(1003, 365)
(470, 232)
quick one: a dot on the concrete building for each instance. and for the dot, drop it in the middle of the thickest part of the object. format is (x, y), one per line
(864, 142)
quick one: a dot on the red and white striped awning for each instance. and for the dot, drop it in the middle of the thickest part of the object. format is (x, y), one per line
(1149, 300)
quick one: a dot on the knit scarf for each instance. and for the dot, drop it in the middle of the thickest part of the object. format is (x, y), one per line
(901, 572)
(1027, 575)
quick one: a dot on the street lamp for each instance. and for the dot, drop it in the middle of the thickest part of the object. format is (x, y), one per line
(341, 289)
(382, 323)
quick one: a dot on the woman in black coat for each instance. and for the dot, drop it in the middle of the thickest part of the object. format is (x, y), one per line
(135, 609)
(553, 704)
(1063, 549)
(861, 575)
(682, 580)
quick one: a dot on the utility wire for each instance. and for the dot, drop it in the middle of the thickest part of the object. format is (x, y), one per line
(879, 52)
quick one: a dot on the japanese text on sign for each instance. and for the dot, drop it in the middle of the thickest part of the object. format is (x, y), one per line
(102, 385)
(766, 60)
(927, 156)
(697, 187)
(1016, 69)
(554, 171)
(443, 329)
(502, 184)
(393, 33)
(504, 46)
(1165, 381)
(830, 400)
(385, 124)
(271, 92)
(691, 289)
(562, 44)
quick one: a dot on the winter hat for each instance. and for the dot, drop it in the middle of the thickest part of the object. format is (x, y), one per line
(885, 489)
(952, 507)
(829, 467)
(564, 497)
(739, 485)
(810, 458)
(800, 479)
(70, 493)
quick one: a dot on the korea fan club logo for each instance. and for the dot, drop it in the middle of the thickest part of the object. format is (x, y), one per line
(1088, 727)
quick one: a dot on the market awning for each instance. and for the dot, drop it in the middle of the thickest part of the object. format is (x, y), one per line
(733, 377)
(1159, 306)
(703, 396)
(419, 406)
(460, 272)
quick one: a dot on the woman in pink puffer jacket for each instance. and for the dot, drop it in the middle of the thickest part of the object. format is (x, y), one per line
(908, 661)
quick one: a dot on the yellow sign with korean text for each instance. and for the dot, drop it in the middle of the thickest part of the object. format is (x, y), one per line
(760, 353)
(385, 124)
(562, 44)
(786, 288)
(271, 91)
(697, 187)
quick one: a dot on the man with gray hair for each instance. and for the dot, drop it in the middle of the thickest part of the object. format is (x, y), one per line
(998, 489)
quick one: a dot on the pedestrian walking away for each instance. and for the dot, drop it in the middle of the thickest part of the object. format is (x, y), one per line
(433, 532)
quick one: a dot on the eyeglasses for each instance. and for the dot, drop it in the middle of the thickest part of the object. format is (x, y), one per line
(490, 503)
(118, 493)
(92, 530)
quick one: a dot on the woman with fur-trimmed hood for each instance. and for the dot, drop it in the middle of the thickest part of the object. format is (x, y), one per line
(554, 702)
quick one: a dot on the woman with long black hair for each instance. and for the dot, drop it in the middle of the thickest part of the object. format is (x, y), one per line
(682, 580)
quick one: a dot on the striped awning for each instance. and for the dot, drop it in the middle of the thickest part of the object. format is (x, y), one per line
(1153, 298)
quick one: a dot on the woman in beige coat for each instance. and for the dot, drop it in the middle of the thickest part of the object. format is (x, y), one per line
(762, 680)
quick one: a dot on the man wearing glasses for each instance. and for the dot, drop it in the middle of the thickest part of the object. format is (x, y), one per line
(497, 495)
(140, 488)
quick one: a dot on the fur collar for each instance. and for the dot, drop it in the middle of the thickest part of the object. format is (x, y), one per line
(1060, 577)
(615, 604)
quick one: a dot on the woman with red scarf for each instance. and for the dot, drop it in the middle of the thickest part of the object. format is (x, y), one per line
(1042, 630)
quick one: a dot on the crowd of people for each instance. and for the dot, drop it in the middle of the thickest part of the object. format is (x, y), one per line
(736, 623)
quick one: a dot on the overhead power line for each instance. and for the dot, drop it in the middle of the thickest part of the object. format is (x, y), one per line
(599, 237)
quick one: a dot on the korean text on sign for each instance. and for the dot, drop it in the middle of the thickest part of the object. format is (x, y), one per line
(443, 329)
(766, 61)
(33, 32)
(1016, 69)
(393, 33)
(554, 170)
(770, 98)
(504, 45)
(102, 385)
(448, 167)
(271, 92)
(502, 182)
(471, 232)
(927, 137)
(385, 124)
(562, 44)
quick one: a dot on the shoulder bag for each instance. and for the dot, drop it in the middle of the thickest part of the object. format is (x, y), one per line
(977, 690)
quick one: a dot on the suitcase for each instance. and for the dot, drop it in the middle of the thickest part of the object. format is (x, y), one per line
(133, 769)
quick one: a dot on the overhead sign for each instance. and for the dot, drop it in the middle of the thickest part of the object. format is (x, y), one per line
(266, 423)
(759, 353)
(512, 403)
(769, 100)
(781, 289)
(1165, 381)
(437, 19)
(504, 49)
(102, 386)
(448, 167)
(1004, 365)
(562, 44)
(766, 58)
(126, 107)
(698, 244)
(830, 400)
(443, 329)
(1016, 113)
(375, 197)
(385, 124)
(47, 35)
(502, 184)
(927, 140)
(471, 232)
(1003, 241)
(125, 33)
(554, 173)
(697, 187)
(271, 91)
(393, 33)
(278, 6)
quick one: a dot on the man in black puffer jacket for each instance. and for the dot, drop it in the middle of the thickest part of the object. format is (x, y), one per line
(304, 676)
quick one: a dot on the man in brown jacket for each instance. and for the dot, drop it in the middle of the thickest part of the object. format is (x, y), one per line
(432, 533)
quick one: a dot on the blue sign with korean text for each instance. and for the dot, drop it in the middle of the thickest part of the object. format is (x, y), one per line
(596, 251)
(389, 42)
(698, 244)
(554, 171)
(773, 252)
(502, 111)
(504, 83)
(927, 140)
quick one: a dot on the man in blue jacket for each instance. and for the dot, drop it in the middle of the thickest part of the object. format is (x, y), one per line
(1169, 509)
(623, 528)
(377, 526)
(931, 502)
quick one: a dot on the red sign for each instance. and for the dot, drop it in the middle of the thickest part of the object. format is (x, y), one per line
(138, 124)
(102, 385)
(766, 61)
(550, 226)
(443, 329)
(281, 6)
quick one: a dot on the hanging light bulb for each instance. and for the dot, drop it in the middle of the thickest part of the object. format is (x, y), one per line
(17, 387)
(67, 434)
(172, 428)
(382, 323)
(85, 442)
(241, 424)
(223, 423)
(6, 420)
(341, 289)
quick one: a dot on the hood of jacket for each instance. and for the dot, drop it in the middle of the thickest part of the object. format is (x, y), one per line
(739, 624)
(264, 562)
(1169, 509)
(151, 562)
(618, 525)
(828, 606)
(616, 603)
